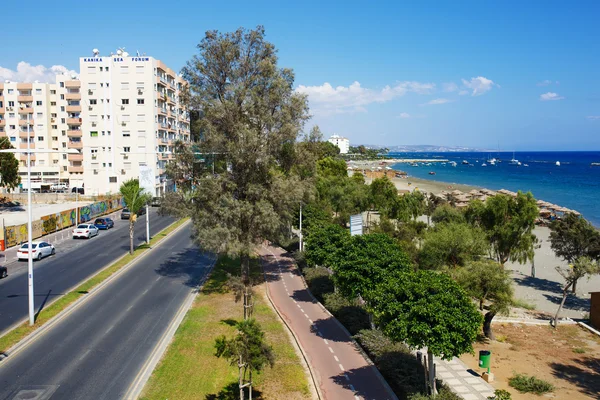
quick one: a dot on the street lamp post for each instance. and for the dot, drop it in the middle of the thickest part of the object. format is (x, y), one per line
(28, 152)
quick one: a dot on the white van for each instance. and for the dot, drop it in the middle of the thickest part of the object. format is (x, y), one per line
(59, 186)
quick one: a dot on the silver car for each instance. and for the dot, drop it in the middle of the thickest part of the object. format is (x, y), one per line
(85, 231)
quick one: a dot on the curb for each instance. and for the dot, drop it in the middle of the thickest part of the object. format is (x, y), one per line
(354, 342)
(138, 384)
(70, 308)
(316, 387)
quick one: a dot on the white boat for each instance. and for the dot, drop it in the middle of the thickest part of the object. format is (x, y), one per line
(514, 161)
(526, 165)
(493, 162)
(558, 163)
(465, 162)
(453, 163)
(484, 165)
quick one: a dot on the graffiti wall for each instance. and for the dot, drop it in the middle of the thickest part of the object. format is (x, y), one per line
(47, 224)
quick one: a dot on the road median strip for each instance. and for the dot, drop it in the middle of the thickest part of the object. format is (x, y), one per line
(24, 333)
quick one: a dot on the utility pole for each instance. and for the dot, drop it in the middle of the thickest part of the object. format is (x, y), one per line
(301, 247)
(29, 231)
(147, 226)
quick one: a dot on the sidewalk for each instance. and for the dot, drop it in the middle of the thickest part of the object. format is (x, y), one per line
(462, 380)
(337, 364)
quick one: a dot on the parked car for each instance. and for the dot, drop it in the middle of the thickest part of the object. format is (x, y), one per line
(76, 189)
(125, 214)
(155, 202)
(141, 211)
(39, 250)
(104, 223)
(3, 271)
(85, 231)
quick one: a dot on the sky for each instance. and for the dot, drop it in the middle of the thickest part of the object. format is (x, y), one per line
(514, 75)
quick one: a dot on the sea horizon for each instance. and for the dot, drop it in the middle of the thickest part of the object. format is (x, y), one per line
(575, 184)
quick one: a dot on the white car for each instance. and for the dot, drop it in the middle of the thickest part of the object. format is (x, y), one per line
(85, 231)
(39, 250)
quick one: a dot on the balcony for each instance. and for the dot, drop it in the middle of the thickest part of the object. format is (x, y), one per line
(161, 81)
(74, 109)
(26, 110)
(2, 122)
(75, 133)
(24, 157)
(75, 145)
(73, 96)
(23, 135)
(25, 98)
(24, 122)
(24, 145)
(72, 84)
(75, 157)
(162, 111)
(73, 121)
(75, 169)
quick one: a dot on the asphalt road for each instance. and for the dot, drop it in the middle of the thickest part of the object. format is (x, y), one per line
(98, 349)
(340, 370)
(74, 262)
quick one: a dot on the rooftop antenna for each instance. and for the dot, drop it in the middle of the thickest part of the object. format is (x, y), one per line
(119, 52)
(137, 52)
(96, 52)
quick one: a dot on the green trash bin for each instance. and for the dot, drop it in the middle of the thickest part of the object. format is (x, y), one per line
(484, 359)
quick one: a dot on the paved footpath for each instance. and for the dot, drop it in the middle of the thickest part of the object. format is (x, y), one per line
(461, 380)
(338, 366)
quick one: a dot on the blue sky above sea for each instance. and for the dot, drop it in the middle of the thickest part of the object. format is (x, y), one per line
(515, 75)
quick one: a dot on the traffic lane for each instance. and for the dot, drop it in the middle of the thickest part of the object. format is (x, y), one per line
(97, 351)
(68, 244)
(64, 271)
(342, 371)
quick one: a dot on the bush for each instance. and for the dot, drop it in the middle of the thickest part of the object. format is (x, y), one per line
(530, 384)
(319, 282)
(396, 363)
(443, 394)
(350, 313)
(500, 394)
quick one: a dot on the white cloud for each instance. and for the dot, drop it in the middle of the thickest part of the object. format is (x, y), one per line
(26, 72)
(550, 96)
(545, 82)
(450, 87)
(404, 115)
(593, 117)
(479, 85)
(326, 99)
(463, 92)
(436, 102)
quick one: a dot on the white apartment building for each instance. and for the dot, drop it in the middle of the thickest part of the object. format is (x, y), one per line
(341, 142)
(44, 113)
(131, 118)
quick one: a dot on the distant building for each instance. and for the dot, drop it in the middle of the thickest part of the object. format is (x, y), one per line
(341, 142)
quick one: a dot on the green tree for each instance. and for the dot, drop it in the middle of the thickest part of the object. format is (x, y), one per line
(451, 245)
(426, 309)
(366, 260)
(409, 205)
(447, 213)
(329, 166)
(573, 237)
(487, 281)
(324, 244)
(583, 266)
(135, 198)
(432, 203)
(384, 195)
(508, 223)
(247, 350)
(251, 115)
(9, 166)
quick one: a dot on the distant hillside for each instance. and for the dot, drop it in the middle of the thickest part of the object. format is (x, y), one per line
(425, 148)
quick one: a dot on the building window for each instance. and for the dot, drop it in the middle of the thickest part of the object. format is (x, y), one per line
(11, 103)
(141, 117)
(126, 149)
(53, 115)
(54, 161)
(124, 101)
(55, 138)
(63, 121)
(124, 69)
(126, 134)
(53, 103)
(101, 68)
(62, 96)
(106, 69)
(62, 84)
(38, 91)
(94, 133)
(91, 70)
(40, 115)
(38, 103)
(13, 139)
(40, 138)
(112, 179)
(140, 101)
(93, 102)
(62, 108)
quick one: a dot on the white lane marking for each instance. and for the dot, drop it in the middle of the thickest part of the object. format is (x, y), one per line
(356, 397)
(341, 367)
(306, 316)
(157, 279)
(330, 349)
(145, 291)
(311, 321)
(295, 301)
(337, 360)
(301, 309)
(84, 354)
(109, 329)
(299, 306)
(347, 377)
(326, 342)
(130, 307)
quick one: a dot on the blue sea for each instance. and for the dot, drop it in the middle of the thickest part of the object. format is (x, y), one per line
(574, 184)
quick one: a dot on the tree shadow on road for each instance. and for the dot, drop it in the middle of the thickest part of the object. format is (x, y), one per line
(586, 375)
(539, 284)
(303, 295)
(271, 268)
(571, 303)
(364, 382)
(185, 265)
(329, 329)
(232, 392)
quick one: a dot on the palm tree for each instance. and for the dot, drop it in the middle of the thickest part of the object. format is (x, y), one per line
(135, 198)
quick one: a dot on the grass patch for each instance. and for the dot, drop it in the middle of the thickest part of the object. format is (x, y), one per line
(579, 350)
(523, 304)
(19, 333)
(530, 384)
(190, 369)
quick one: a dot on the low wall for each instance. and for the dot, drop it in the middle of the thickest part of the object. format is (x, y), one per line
(15, 234)
(49, 198)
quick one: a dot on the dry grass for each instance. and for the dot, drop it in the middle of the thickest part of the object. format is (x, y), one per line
(190, 370)
(19, 333)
